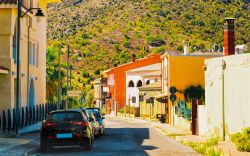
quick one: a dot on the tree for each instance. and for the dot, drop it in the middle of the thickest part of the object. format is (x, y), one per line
(89, 99)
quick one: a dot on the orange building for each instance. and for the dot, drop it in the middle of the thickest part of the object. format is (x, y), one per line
(117, 81)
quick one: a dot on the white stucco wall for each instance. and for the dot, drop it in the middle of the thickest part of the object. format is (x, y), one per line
(237, 101)
(132, 91)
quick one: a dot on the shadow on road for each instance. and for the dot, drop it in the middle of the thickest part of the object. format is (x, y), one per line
(116, 141)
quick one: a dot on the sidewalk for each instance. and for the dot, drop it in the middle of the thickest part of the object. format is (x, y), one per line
(226, 147)
(171, 131)
(26, 142)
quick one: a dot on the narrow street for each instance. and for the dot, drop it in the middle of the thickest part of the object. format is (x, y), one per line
(129, 138)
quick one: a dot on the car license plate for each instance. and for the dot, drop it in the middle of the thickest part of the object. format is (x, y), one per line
(64, 136)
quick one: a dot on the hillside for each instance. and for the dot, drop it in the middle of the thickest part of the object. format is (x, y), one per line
(104, 33)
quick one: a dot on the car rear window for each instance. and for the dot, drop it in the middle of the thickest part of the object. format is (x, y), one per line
(97, 114)
(65, 116)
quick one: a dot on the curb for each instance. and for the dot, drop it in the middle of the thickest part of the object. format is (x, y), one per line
(31, 152)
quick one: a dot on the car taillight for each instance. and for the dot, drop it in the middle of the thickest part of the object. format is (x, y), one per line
(83, 123)
(51, 137)
(48, 124)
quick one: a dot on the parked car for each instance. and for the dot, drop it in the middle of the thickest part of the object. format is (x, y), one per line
(100, 119)
(66, 128)
(90, 119)
(94, 123)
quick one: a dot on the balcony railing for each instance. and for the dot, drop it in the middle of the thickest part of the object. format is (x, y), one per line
(27, 116)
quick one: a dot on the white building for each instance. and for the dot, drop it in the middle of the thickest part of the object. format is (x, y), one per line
(139, 77)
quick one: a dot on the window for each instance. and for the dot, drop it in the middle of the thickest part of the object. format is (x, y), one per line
(148, 82)
(141, 98)
(37, 55)
(131, 84)
(139, 83)
(133, 99)
(33, 54)
(65, 116)
(14, 45)
(30, 53)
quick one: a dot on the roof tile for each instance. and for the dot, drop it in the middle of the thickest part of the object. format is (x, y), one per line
(8, 1)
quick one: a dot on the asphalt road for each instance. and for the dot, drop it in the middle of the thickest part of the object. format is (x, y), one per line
(129, 138)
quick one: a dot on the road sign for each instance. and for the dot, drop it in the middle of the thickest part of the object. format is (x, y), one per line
(172, 90)
(172, 97)
(75, 93)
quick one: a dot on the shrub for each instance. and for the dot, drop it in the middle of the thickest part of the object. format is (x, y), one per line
(122, 110)
(127, 43)
(206, 148)
(97, 72)
(242, 140)
(85, 36)
(156, 40)
(159, 50)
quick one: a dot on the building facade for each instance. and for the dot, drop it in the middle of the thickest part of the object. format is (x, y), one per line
(32, 53)
(117, 81)
(182, 71)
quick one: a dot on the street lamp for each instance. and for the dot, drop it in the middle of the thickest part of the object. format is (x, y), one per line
(39, 12)
(19, 16)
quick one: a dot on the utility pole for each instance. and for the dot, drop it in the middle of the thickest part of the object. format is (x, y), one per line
(129, 105)
(59, 80)
(66, 106)
(70, 68)
(100, 92)
(19, 11)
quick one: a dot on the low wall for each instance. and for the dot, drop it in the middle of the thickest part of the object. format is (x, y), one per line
(202, 118)
(181, 123)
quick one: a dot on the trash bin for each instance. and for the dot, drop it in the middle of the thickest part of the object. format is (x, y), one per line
(161, 117)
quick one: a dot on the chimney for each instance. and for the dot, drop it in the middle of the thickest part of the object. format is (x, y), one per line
(186, 49)
(229, 37)
(133, 57)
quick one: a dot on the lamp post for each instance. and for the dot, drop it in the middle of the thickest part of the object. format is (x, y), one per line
(18, 63)
(19, 7)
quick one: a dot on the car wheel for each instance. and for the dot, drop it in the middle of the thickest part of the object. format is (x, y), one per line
(98, 134)
(102, 131)
(44, 147)
(87, 144)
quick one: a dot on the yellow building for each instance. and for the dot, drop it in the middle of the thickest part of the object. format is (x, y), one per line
(149, 106)
(182, 71)
(32, 53)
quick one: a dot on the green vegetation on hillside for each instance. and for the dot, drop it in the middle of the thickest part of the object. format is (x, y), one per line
(104, 33)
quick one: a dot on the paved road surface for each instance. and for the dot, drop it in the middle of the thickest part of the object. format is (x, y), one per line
(131, 138)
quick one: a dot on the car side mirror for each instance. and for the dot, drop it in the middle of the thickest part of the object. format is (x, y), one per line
(91, 119)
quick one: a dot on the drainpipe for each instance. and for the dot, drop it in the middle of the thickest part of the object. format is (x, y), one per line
(28, 62)
(223, 100)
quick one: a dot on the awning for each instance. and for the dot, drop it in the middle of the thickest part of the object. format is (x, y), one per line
(4, 70)
(162, 98)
